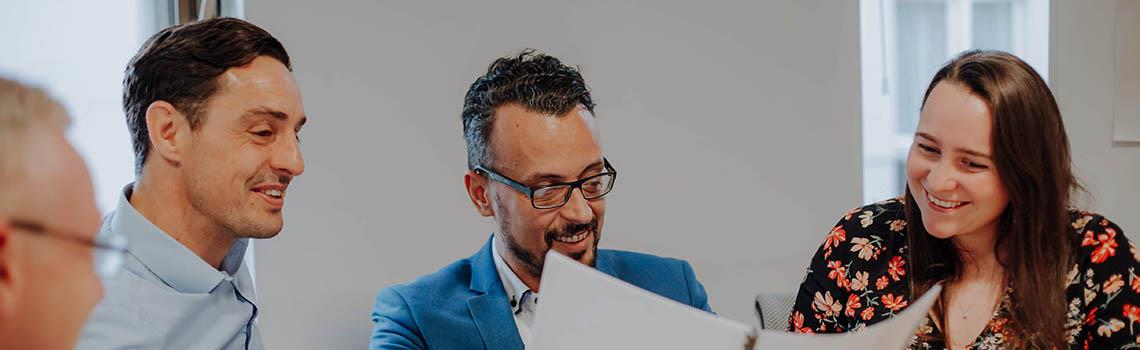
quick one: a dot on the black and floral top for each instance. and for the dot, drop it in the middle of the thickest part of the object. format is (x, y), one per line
(859, 277)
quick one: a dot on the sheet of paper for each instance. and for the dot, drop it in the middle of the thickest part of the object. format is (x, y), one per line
(581, 308)
(1126, 127)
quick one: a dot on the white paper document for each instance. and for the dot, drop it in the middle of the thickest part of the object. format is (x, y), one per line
(582, 308)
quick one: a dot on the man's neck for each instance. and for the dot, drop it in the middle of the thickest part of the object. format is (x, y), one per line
(167, 205)
(530, 281)
(516, 267)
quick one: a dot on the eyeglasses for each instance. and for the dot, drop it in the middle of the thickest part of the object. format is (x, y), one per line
(109, 250)
(556, 195)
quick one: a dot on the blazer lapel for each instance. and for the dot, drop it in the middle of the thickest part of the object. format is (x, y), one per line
(489, 308)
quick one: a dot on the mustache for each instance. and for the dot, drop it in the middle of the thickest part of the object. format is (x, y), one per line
(284, 180)
(570, 229)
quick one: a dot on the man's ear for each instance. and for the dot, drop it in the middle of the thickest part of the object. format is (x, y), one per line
(6, 285)
(478, 192)
(164, 123)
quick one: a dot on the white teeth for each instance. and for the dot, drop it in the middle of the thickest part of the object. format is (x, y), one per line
(942, 203)
(272, 193)
(572, 239)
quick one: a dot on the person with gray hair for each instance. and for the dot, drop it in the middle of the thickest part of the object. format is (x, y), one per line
(50, 259)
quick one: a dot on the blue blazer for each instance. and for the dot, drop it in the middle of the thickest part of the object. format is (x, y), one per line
(464, 305)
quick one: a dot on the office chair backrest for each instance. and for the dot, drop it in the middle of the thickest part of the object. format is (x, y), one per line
(774, 309)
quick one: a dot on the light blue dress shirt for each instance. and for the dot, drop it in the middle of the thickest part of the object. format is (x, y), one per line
(167, 297)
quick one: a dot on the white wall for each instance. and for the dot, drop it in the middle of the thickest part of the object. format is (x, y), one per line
(734, 125)
(1082, 76)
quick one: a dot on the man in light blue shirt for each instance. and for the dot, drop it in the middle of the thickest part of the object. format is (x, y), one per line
(168, 297)
(215, 115)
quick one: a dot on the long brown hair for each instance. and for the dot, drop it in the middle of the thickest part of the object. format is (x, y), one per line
(1031, 156)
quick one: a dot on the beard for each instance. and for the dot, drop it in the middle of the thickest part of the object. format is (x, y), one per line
(533, 262)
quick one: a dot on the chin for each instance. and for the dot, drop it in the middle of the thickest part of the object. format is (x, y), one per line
(591, 258)
(588, 257)
(267, 232)
(261, 235)
(261, 228)
(940, 231)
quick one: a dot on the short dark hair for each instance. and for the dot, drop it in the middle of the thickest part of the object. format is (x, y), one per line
(180, 65)
(535, 81)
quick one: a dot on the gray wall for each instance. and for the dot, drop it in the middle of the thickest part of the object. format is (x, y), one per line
(1082, 75)
(735, 126)
(739, 160)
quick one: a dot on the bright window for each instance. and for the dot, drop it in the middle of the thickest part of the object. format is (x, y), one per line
(904, 42)
(76, 50)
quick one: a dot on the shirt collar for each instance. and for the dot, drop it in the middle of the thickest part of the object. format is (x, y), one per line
(514, 287)
(170, 261)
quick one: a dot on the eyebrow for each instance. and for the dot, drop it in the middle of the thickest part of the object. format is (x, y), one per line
(271, 113)
(550, 176)
(959, 149)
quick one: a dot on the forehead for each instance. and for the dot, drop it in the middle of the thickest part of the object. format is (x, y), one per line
(955, 116)
(263, 83)
(528, 141)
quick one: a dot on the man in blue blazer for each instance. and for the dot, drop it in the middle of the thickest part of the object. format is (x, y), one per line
(535, 167)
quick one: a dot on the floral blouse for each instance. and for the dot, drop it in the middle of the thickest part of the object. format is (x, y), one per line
(859, 277)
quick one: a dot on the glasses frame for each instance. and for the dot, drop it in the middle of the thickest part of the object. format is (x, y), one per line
(40, 229)
(108, 256)
(530, 191)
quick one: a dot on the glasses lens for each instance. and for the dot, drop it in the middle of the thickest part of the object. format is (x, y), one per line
(109, 256)
(549, 197)
(598, 186)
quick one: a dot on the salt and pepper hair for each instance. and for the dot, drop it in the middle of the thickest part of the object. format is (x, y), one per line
(535, 81)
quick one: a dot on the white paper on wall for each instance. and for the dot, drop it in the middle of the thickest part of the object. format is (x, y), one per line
(1126, 127)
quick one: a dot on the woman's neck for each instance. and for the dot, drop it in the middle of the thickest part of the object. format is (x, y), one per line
(979, 255)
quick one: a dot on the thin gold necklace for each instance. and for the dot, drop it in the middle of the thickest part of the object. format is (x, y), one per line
(962, 309)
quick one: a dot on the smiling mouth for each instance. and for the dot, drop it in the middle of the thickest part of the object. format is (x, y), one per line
(944, 204)
(571, 239)
(273, 193)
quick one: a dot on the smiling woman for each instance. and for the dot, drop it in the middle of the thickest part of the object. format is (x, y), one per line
(987, 213)
(904, 42)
